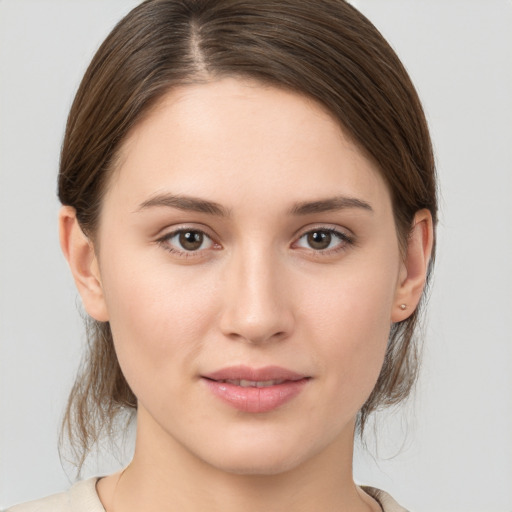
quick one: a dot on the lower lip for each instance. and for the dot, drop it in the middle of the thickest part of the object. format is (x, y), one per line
(256, 400)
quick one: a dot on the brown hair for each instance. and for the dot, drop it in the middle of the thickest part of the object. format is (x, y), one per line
(324, 49)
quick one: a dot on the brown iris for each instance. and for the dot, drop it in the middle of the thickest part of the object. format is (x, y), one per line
(191, 240)
(319, 239)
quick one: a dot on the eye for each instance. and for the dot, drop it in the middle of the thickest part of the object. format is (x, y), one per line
(186, 241)
(323, 239)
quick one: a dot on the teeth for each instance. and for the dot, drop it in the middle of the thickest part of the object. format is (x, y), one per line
(253, 383)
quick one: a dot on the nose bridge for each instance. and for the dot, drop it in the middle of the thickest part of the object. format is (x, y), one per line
(256, 307)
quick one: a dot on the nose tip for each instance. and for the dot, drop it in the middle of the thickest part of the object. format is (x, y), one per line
(256, 330)
(254, 334)
(256, 308)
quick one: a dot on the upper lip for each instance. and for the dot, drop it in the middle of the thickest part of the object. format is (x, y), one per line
(266, 373)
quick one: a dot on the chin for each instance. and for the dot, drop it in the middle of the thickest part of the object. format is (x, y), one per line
(260, 459)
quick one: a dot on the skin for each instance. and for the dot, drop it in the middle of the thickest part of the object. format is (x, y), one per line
(256, 292)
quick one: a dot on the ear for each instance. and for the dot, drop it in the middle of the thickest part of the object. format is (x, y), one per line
(79, 252)
(413, 272)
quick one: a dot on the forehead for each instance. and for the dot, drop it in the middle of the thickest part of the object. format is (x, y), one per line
(230, 140)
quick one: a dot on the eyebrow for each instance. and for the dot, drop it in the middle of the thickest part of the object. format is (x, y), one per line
(195, 204)
(185, 203)
(329, 205)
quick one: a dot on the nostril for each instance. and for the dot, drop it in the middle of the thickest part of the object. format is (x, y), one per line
(256, 333)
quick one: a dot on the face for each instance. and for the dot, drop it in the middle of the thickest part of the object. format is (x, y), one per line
(249, 265)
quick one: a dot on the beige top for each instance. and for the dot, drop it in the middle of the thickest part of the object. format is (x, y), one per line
(82, 497)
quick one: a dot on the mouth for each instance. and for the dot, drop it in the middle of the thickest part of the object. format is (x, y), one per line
(252, 383)
(255, 390)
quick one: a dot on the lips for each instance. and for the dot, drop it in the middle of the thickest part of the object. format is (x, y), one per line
(253, 383)
(255, 390)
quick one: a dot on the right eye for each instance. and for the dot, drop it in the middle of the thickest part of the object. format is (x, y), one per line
(183, 241)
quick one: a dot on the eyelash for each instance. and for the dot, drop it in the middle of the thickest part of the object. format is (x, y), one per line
(344, 241)
(164, 242)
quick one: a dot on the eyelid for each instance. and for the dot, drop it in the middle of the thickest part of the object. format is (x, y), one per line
(333, 228)
(167, 234)
(345, 236)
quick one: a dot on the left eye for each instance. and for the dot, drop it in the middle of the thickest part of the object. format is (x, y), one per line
(322, 239)
(189, 240)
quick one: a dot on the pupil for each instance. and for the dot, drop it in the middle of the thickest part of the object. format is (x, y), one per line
(191, 240)
(319, 239)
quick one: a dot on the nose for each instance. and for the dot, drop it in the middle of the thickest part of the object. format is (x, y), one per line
(257, 304)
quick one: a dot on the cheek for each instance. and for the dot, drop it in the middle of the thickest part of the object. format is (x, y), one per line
(350, 320)
(159, 318)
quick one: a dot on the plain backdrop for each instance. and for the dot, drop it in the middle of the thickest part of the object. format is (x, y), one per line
(450, 449)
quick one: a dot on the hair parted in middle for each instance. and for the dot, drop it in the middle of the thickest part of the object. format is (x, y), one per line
(323, 49)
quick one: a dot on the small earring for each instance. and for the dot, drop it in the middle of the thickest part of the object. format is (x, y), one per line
(403, 306)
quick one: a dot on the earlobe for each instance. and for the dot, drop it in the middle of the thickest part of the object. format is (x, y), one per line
(79, 253)
(414, 269)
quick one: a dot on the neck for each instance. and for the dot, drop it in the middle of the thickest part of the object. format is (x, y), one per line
(165, 476)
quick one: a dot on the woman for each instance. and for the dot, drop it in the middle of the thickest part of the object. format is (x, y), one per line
(249, 205)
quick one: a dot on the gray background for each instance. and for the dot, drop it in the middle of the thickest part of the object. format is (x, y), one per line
(451, 448)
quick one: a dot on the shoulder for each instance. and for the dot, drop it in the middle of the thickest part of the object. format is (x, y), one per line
(82, 497)
(387, 503)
